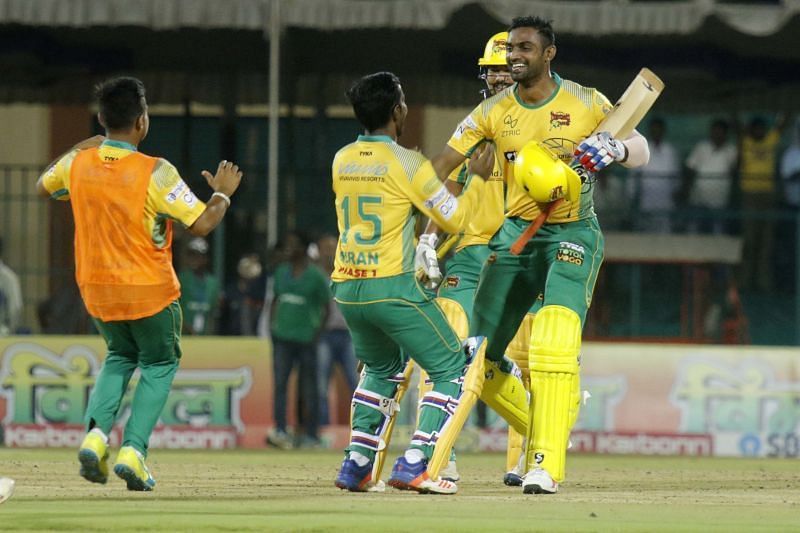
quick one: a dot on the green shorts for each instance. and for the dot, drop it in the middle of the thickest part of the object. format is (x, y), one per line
(390, 318)
(561, 261)
(150, 340)
(462, 273)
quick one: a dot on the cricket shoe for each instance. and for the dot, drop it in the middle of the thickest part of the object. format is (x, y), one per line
(450, 472)
(93, 456)
(538, 481)
(6, 488)
(513, 478)
(414, 476)
(353, 477)
(130, 467)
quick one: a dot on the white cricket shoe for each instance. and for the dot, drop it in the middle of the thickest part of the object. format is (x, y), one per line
(450, 472)
(538, 481)
(513, 478)
(6, 488)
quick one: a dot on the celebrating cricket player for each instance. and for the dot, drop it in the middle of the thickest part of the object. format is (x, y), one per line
(123, 203)
(380, 187)
(563, 259)
(502, 389)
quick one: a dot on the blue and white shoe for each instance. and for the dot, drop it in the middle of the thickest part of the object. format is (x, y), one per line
(513, 478)
(353, 477)
(414, 476)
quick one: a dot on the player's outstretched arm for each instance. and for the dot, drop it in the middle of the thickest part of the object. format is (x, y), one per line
(445, 210)
(224, 182)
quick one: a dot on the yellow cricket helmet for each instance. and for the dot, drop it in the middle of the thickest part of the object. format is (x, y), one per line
(544, 176)
(494, 55)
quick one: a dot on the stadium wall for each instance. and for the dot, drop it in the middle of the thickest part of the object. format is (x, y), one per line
(641, 399)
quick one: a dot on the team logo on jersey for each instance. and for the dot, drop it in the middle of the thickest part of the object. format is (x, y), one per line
(451, 282)
(559, 119)
(510, 156)
(569, 252)
(511, 124)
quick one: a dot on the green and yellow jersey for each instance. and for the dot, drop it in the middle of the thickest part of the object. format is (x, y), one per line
(560, 123)
(380, 189)
(489, 216)
(168, 196)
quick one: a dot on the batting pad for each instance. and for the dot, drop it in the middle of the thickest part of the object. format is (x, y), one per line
(505, 393)
(555, 346)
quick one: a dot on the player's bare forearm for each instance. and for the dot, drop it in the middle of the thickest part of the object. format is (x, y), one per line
(224, 183)
(638, 150)
(447, 160)
(211, 217)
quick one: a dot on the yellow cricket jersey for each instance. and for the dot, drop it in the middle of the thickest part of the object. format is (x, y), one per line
(560, 123)
(489, 216)
(758, 163)
(168, 196)
(380, 189)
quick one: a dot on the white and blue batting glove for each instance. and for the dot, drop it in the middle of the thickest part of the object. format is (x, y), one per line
(426, 263)
(600, 150)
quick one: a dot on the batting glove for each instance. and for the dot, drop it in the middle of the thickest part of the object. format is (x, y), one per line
(600, 150)
(426, 264)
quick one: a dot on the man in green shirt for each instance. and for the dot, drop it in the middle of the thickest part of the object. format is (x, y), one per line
(298, 312)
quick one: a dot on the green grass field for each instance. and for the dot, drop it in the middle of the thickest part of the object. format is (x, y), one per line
(293, 491)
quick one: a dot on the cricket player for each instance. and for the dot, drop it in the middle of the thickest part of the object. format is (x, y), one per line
(456, 293)
(123, 203)
(563, 259)
(379, 188)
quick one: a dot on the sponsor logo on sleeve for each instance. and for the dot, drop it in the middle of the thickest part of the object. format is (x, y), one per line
(466, 124)
(449, 207)
(437, 198)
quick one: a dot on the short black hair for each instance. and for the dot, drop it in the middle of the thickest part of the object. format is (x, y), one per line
(373, 98)
(121, 102)
(543, 26)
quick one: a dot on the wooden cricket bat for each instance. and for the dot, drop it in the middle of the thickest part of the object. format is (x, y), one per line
(620, 122)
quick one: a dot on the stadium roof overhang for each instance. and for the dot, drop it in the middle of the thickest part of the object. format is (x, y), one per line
(603, 17)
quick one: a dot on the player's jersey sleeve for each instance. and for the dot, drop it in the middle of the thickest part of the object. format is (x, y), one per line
(471, 132)
(56, 179)
(171, 197)
(601, 106)
(430, 195)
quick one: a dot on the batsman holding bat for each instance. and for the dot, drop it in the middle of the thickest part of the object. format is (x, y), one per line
(563, 259)
(503, 390)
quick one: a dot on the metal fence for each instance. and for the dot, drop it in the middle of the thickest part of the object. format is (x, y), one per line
(680, 298)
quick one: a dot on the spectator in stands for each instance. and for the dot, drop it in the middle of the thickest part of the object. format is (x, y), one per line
(790, 170)
(709, 180)
(244, 298)
(655, 184)
(200, 291)
(64, 312)
(790, 181)
(758, 152)
(299, 310)
(10, 298)
(336, 346)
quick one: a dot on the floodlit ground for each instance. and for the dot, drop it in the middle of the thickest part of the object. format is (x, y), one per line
(293, 491)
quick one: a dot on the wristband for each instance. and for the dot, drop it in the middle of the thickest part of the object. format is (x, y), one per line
(223, 196)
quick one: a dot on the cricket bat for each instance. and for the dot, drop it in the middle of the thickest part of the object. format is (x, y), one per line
(620, 122)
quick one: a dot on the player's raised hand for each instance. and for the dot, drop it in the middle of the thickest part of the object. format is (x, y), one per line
(482, 161)
(598, 151)
(227, 178)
